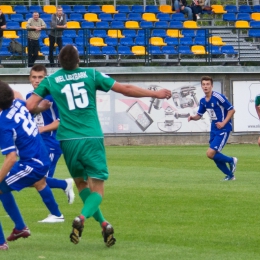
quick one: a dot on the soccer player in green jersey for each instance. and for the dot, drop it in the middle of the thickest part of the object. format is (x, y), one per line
(80, 134)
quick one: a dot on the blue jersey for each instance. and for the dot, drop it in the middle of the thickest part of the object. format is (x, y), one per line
(46, 118)
(19, 133)
(217, 108)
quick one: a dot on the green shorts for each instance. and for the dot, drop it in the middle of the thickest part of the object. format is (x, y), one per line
(85, 158)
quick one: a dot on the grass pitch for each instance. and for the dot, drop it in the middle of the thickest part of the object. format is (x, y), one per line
(165, 202)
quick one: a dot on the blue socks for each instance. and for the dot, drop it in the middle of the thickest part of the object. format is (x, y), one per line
(12, 210)
(221, 160)
(56, 183)
(2, 237)
(49, 201)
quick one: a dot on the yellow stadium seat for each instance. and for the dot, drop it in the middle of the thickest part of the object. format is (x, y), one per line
(190, 24)
(49, 9)
(91, 17)
(73, 24)
(255, 16)
(139, 50)
(150, 17)
(166, 9)
(46, 42)
(174, 33)
(216, 40)
(242, 24)
(97, 41)
(7, 9)
(218, 9)
(109, 9)
(23, 24)
(198, 49)
(132, 24)
(10, 34)
(115, 34)
(157, 41)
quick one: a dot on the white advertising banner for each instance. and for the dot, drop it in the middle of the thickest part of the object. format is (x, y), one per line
(245, 118)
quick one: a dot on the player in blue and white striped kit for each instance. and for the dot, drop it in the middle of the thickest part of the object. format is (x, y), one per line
(220, 112)
(19, 137)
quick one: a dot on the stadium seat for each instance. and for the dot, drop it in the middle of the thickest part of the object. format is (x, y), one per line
(163, 17)
(229, 17)
(5, 52)
(79, 41)
(140, 40)
(115, 34)
(159, 33)
(139, 50)
(66, 41)
(166, 9)
(185, 50)
(186, 41)
(87, 25)
(111, 41)
(109, 9)
(151, 9)
(137, 9)
(35, 8)
(69, 34)
(228, 49)
(174, 33)
(216, 40)
(198, 49)
(255, 24)
(117, 25)
(66, 9)
(123, 8)
(243, 17)
(43, 34)
(149, 17)
(13, 25)
(73, 24)
(49, 9)
(176, 24)
(218, 9)
(135, 17)
(161, 24)
(46, 17)
(132, 25)
(178, 17)
(106, 17)
(242, 24)
(171, 40)
(120, 17)
(256, 9)
(143, 33)
(91, 17)
(157, 41)
(76, 17)
(231, 9)
(189, 33)
(6, 42)
(155, 50)
(20, 9)
(44, 50)
(129, 33)
(94, 9)
(7, 9)
(190, 24)
(100, 33)
(127, 41)
(102, 25)
(214, 50)
(169, 50)
(244, 9)
(109, 50)
(146, 24)
(200, 40)
(201, 33)
(46, 42)
(95, 50)
(254, 33)
(255, 16)
(97, 41)
(124, 50)
(79, 9)
(17, 18)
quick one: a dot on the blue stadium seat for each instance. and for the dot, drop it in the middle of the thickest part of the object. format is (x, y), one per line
(244, 9)
(76, 17)
(106, 17)
(70, 33)
(120, 17)
(66, 9)
(79, 41)
(135, 17)
(178, 17)
(199, 40)
(255, 24)
(161, 24)
(124, 50)
(17, 18)
(94, 9)
(155, 50)
(109, 50)
(141, 32)
(20, 9)
(185, 50)
(228, 49)
(175, 24)
(256, 9)
(243, 17)
(100, 33)
(231, 9)
(28, 16)
(169, 50)
(87, 25)
(186, 41)
(188, 33)
(5, 52)
(159, 33)
(66, 41)
(139, 40)
(46, 17)
(127, 41)
(129, 33)
(117, 25)
(137, 9)
(111, 41)
(79, 9)
(6, 42)
(201, 33)
(254, 33)
(146, 24)
(214, 50)
(171, 40)
(7, 19)
(102, 25)
(13, 25)
(151, 9)
(229, 17)
(44, 50)
(81, 50)
(35, 8)
(123, 8)
(163, 17)
(94, 50)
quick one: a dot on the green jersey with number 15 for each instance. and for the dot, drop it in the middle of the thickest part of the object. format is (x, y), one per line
(75, 95)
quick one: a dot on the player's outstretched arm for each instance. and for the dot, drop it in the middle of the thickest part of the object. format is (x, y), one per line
(50, 127)
(195, 118)
(134, 91)
(32, 104)
(18, 95)
(9, 161)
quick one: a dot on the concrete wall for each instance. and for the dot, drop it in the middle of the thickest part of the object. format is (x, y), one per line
(225, 74)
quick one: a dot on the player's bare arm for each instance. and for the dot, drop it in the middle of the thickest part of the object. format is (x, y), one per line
(230, 113)
(50, 127)
(9, 161)
(195, 118)
(257, 108)
(134, 91)
(18, 95)
(33, 102)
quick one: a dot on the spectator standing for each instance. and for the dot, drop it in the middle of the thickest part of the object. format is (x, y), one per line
(58, 21)
(2, 26)
(37, 24)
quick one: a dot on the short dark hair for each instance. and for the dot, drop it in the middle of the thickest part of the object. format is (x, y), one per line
(207, 78)
(38, 68)
(6, 95)
(69, 57)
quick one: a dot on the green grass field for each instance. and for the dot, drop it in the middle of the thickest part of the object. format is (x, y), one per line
(165, 202)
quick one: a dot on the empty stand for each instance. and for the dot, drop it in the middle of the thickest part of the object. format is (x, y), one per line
(151, 17)
(242, 24)
(139, 50)
(166, 9)
(49, 9)
(97, 41)
(94, 9)
(115, 33)
(20, 9)
(132, 25)
(198, 50)
(109, 9)
(91, 17)
(79, 9)
(73, 24)
(7, 9)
